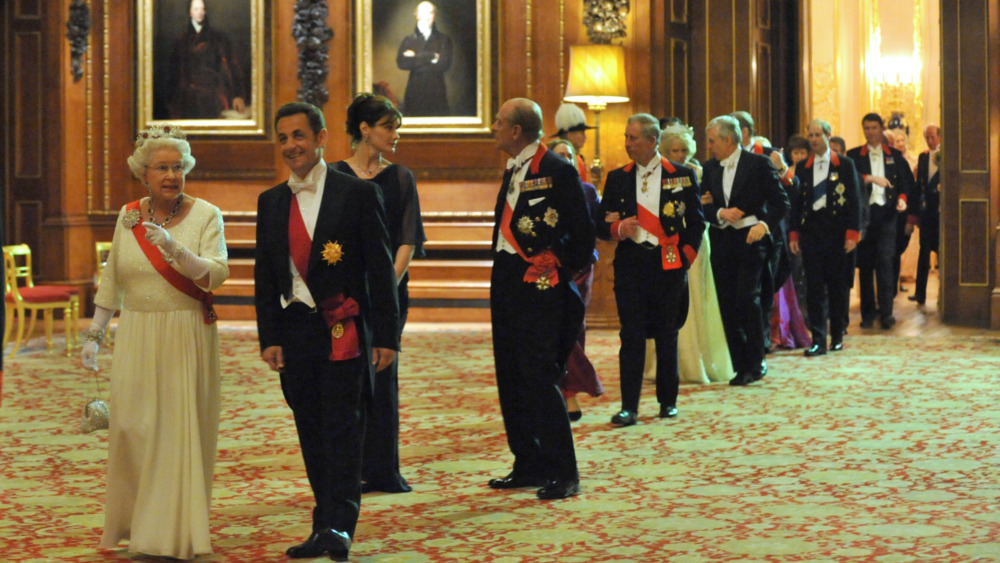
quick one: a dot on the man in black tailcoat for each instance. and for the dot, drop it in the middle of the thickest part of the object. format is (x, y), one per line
(542, 235)
(652, 207)
(886, 179)
(744, 203)
(327, 315)
(825, 225)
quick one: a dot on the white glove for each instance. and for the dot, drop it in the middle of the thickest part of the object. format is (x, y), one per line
(89, 355)
(188, 263)
(158, 236)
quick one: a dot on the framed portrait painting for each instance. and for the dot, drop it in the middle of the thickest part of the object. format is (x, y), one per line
(202, 65)
(432, 58)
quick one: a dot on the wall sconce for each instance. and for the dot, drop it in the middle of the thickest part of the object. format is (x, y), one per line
(597, 78)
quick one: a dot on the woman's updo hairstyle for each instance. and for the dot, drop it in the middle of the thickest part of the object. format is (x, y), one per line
(369, 108)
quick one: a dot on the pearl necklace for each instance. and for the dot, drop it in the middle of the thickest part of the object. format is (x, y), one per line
(163, 225)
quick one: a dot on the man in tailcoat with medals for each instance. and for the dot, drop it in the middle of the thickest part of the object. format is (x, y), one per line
(825, 225)
(652, 207)
(542, 235)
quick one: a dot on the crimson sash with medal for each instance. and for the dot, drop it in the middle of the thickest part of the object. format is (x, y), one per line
(173, 277)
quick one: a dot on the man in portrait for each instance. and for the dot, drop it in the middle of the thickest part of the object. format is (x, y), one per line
(205, 76)
(427, 54)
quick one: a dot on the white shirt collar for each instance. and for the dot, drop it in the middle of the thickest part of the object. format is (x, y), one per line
(876, 150)
(314, 176)
(526, 154)
(197, 26)
(425, 30)
(731, 160)
(657, 159)
(825, 157)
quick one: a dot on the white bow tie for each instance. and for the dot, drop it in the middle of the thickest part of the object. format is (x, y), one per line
(513, 163)
(297, 187)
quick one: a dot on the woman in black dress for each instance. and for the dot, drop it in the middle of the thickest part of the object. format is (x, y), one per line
(372, 123)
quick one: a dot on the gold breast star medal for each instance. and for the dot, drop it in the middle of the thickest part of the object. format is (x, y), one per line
(525, 225)
(834, 176)
(337, 330)
(551, 217)
(131, 218)
(668, 209)
(332, 253)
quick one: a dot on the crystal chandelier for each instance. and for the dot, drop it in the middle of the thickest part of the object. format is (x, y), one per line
(605, 19)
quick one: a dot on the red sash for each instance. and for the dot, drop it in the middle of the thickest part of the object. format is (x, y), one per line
(339, 315)
(173, 277)
(668, 245)
(543, 270)
(299, 242)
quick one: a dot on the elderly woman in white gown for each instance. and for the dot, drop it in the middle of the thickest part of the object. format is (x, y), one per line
(703, 355)
(168, 253)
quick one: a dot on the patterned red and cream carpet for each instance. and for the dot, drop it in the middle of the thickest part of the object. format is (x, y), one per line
(887, 451)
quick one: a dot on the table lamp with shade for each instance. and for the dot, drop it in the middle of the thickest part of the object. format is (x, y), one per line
(597, 78)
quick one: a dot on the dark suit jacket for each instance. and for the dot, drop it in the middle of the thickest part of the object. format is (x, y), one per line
(552, 203)
(681, 198)
(571, 235)
(897, 171)
(756, 190)
(924, 199)
(426, 93)
(351, 214)
(843, 197)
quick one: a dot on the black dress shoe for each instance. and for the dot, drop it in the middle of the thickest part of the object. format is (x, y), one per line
(515, 481)
(668, 411)
(327, 541)
(625, 418)
(836, 346)
(888, 322)
(745, 378)
(920, 299)
(815, 350)
(867, 323)
(559, 489)
(575, 415)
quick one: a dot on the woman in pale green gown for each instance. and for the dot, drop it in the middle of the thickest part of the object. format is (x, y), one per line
(703, 354)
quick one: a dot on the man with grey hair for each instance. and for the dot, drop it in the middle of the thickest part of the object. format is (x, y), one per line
(652, 207)
(744, 203)
(824, 226)
(543, 235)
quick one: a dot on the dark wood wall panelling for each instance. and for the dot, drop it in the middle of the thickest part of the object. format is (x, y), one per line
(970, 175)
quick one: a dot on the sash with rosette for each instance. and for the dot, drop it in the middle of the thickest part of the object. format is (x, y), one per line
(173, 277)
(668, 244)
(543, 270)
(339, 314)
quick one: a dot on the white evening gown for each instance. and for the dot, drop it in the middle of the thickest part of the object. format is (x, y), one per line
(164, 396)
(702, 351)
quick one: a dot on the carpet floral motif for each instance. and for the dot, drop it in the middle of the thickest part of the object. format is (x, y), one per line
(885, 452)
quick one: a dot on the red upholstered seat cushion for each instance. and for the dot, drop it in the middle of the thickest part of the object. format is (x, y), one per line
(70, 289)
(42, 294)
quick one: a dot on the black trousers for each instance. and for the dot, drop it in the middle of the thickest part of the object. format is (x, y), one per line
(928, 244)
(652, 303)
(876, 253)
(530, 329)
(737, 267)
(827, 267)
(326, 401)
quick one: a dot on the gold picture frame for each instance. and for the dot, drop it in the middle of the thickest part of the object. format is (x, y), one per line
(385, 29)
(230, 67)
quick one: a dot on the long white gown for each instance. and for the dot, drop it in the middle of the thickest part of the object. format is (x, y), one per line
(165, 391)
